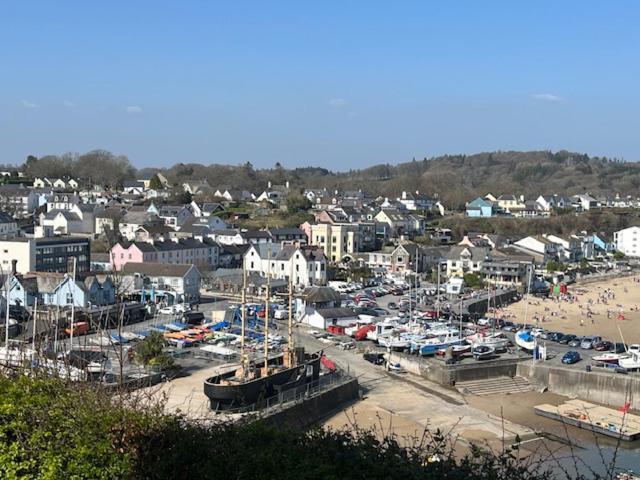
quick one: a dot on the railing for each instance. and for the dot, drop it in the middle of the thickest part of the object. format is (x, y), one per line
(295, 395)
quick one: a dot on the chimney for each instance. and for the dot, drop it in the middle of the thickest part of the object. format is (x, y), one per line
(286, 184)
(269, 184)
(14, 265)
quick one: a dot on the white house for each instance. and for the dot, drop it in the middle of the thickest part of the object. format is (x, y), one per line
(463, 259)
(539, 245)
(183, 280)
(626, 241)
(306, 265)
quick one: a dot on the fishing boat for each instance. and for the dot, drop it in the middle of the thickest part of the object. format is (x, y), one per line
(525, 340)
(610, 358)
(482, 352)
(381, 328)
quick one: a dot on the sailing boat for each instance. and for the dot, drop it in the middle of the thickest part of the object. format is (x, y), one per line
(523, 338)
(248, 386)
(495, 340)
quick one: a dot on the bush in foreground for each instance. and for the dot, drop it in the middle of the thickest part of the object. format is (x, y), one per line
(51, 429)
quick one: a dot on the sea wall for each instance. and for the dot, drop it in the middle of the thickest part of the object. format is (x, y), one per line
(437, 371)
(303, 414)
(605, 387)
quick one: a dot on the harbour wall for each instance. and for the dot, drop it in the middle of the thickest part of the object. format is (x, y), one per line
(304, 414)
(604, 387)
(437, 371)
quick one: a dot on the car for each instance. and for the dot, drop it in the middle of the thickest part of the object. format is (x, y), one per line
(571, 357)
(381, 311)
(375, 358)
(392, 306)
(619, 348)
(575, 342)
(538, 332)
(567, 338)
(281, 314)
(509, 327)
(603, 346)
(554, 336)
(588, 343)
(168, 310)
(544, 335)
(366, 311)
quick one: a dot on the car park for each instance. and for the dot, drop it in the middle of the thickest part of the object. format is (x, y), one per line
(554, 336)
(571, 357)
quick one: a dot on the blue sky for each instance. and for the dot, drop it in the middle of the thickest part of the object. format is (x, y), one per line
(340, 84)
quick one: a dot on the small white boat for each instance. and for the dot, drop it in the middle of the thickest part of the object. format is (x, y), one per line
(495, 340)
(525, 340)
(631, 361)
(610, 358)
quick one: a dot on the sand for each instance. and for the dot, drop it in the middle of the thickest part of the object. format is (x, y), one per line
(570, 315)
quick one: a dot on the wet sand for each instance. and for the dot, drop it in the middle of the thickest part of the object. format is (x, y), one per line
(571, 316)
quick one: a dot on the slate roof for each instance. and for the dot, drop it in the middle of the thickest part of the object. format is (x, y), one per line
(157, 269)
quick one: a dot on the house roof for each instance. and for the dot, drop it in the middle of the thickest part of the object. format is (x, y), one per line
(479, 203)
(157, 269)
(336, 313)
(320, 295)
(69, 216)
(285, 231)
(478, 254)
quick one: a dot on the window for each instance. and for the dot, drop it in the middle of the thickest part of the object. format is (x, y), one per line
(69, 298)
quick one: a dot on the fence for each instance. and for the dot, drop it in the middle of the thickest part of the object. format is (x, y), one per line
(295, 395)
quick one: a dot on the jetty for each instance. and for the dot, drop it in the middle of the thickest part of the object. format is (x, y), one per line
(598, 419)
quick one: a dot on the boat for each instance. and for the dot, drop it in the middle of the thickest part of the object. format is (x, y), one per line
(252, 385)
(482, 352)
(431, 345)
(381, 328)
(525, 340)
(630, 361)
(494, 340)
(456, 350)
(610, 358)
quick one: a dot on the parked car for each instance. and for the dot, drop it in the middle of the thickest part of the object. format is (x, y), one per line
(375, 358)
(392, 306)
(193, 318)
(619, 348)
(603, 346)
(554, 336)
(571, 357)
(508, 326)
(589, 342)
(567, 338)
(169, 310)
(79, 328)
(575, 342)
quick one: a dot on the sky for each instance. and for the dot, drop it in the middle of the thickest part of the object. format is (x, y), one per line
(338, 84)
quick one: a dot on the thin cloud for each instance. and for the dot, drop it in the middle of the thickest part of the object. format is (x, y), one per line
(338, 103)
(548, 97)
(28, 104)
(133, 109)
(69, 103)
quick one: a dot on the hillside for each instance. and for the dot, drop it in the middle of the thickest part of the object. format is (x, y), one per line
(455, 178)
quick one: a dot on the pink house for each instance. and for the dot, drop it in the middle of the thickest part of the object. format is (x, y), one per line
(134, 252)
(306, 228)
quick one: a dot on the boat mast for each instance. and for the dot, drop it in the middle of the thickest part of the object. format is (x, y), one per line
(438, 294)
(243, 305)
(266, 314)
(73, 305)
(526, 305)
(290, 325)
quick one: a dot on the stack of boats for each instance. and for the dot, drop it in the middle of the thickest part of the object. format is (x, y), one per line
(428, 337)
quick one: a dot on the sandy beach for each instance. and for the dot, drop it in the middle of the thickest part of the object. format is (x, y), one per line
(597, 308)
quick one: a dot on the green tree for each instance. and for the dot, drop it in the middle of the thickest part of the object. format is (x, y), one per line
(150, 351)
(554, 266)
(473, 280)
(297, 203)
(618, 255)
(155, 183)
(584, 263)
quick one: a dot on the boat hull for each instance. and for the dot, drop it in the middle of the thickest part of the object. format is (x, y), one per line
(236, 395)
(431, 349)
